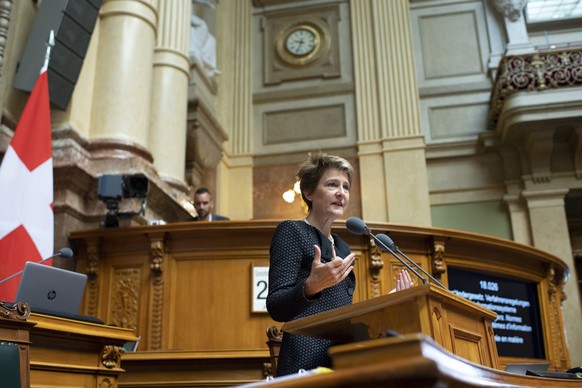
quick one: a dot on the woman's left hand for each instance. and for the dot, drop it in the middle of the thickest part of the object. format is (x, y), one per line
(403, 282)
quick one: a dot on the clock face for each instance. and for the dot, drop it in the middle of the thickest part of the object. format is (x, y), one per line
(301, 41)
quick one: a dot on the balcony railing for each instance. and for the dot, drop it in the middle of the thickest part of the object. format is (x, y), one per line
(538, 71)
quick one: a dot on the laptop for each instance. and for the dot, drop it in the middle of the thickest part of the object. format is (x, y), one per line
(53, 291)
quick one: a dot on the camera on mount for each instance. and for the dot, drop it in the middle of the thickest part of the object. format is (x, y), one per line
(112, 189)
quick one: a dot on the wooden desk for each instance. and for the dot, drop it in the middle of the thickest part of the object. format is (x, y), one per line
(15, 329)
(413, 360)
(460, 326)
(71, 353)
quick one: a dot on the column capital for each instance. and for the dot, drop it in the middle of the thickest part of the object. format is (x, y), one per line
(510, 9)
(545, 198)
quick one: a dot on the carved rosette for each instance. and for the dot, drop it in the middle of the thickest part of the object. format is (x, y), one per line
(19, 311)
(375, 267)
(106, 383)
(156, 267)
(111, 356)
(92, 277)
(439, 266)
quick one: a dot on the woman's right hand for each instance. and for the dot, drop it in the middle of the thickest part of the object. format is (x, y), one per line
(324, 275)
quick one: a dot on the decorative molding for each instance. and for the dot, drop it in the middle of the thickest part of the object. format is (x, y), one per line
(5, 13)
(204, 141)
(556, 296)
(539, 146)
(106, 383)
(19, 311)
(548, 69)
(375, 267)
(510, 9)
(126, 291)
(93, 259)
(156, 266)
(111, 356)
(439, 267)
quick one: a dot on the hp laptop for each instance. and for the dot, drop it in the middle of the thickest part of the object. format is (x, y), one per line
(53, 291)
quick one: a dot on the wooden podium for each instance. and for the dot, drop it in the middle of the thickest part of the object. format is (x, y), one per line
(457, 324)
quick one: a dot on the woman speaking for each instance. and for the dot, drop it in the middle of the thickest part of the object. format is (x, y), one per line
(310, 267)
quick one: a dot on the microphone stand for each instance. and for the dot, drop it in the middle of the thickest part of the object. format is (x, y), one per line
(58, 254)
(386, 248)
(357, 226)
(391, 243)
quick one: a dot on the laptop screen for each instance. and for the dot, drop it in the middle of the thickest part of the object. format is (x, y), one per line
(51, 289)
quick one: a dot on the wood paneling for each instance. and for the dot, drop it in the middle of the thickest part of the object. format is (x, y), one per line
(193, 284)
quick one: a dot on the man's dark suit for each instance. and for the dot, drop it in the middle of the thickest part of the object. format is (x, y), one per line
(292, 255)
(213, 217)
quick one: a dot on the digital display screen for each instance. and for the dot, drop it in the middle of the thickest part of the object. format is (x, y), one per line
(517, 329)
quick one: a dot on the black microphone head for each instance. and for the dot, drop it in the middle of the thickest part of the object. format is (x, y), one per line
(386, 241)
(65, 253)
(357, 226)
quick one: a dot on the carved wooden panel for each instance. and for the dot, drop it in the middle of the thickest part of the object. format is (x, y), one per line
(126, 292)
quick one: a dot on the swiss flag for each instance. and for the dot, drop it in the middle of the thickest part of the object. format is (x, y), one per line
(26, 191)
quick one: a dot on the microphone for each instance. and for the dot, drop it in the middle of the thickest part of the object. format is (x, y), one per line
(357, 226)
(65, 253)
(389, 243)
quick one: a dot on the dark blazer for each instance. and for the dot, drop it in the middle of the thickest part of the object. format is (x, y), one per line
(215, 217)
(292, 254)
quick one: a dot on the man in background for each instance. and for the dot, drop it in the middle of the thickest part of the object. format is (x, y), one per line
(204, 205)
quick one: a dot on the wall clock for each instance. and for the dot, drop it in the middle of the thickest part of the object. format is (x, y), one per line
(300, 44)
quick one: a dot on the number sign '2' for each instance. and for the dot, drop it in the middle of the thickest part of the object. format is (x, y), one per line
(260, 288)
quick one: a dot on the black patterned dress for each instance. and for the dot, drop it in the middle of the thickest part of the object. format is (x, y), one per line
(292, 254)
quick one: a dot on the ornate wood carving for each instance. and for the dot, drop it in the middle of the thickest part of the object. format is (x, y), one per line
(106, 383)
(92, 276)
(375, 267)
(555, 293)
(439, 267)
(275, 336)
(19, 311)
(111, 356)
(157, 258)
(124, 312)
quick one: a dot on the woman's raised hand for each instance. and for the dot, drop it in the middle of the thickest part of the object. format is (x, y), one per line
(324, 275)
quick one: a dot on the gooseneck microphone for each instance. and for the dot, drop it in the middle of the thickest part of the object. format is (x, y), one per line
(65, 253)
(387, 241)
(357, 226)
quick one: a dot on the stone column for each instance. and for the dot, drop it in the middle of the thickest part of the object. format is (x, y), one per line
(515, 25)
(5, 22)
(123, 81)
(235, 173)
(169, 106)
(519, 215)
(550, 233)
(390, 140)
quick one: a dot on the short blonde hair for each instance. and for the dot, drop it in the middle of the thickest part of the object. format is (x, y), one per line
(312, 169)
